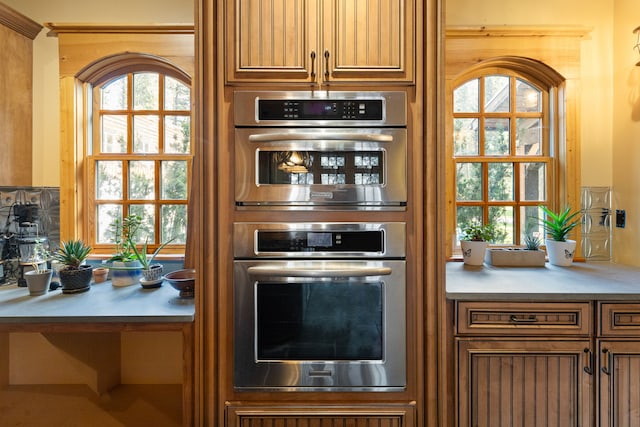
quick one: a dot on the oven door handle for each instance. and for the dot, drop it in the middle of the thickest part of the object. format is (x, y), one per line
(333, 136)
(319, 272)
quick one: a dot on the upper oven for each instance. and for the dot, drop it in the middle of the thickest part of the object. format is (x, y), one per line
(321, 150)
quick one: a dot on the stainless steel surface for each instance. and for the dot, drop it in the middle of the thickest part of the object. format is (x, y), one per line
(246, 105)
(388, 374)
(244, 244)
(378, 129)
(390, 142)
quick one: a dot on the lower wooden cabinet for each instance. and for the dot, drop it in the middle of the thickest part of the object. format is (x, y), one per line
(547, 364)
(318, 416)
(524, 383)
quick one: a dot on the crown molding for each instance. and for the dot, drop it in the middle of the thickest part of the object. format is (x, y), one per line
(57, 28)
(516, 31)
(19, 23)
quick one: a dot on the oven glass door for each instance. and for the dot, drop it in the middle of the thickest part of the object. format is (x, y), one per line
(319, 320)
(322, 325)
(310, 167)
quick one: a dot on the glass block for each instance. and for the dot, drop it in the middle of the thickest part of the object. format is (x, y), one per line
(596, 221)
(596, 198)
(596, 247)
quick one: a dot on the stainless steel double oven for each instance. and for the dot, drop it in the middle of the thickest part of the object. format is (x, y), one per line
(319, 305)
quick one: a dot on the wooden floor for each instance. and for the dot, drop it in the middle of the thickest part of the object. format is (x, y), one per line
(79, 406)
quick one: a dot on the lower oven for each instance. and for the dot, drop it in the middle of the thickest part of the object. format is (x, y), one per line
(319, 307)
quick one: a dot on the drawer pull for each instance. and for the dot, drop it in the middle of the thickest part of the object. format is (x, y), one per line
(530, 319)
(588, 368)
(606, 362)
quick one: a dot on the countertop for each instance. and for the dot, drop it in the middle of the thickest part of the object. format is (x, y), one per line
(582, 281)
(102, 303)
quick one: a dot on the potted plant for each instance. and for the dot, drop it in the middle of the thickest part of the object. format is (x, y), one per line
(152, 273)
(474, 241)
(125, 268)
(558, 225)
(39, 278)
(75, 277)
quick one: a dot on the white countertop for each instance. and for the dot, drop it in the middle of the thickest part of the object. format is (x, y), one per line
(581, 281)
(102, 303)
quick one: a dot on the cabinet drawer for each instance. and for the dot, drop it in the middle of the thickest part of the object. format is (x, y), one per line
(618, 319)
(508, 318)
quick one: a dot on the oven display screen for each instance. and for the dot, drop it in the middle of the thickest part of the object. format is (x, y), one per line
(318, 108)
(324, 240)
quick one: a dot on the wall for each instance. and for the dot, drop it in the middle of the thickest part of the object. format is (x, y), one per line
(626, 130)
(46, 116)
(610, 98)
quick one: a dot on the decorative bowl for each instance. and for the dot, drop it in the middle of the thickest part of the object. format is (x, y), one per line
(183, 281)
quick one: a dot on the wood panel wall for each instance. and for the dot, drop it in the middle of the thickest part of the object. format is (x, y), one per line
(16, 96)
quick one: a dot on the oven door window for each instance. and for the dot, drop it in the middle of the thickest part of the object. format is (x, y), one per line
(319, 321)
(320, 167)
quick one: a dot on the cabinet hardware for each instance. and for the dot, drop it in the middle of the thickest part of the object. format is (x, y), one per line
(588, 368)
(326, 65)
(516, 319)
(313, 64)
(606, 362)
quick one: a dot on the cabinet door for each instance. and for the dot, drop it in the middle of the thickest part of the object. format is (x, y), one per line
(542, 383)
(619, 383)
(271, 40)
(368, 40)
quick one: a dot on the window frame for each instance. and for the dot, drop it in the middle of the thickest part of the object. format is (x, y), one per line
(93, 154)
(549, 135)
(88, 52)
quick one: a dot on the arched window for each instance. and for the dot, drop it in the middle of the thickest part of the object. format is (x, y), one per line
(503, 142)
(139, 150)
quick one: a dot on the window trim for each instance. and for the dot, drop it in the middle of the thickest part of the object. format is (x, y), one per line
(80, 46)
(565, 178)
(127, 68)
(549, 138)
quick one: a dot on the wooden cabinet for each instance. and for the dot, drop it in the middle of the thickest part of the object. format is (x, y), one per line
(618, 346)
(16, 87)
(542, 364)
(510, 382)
(524, 364)
(373, 416)
(320, 42)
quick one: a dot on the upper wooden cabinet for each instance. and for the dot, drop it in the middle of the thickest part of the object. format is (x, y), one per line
(17, 33)
(320, 42)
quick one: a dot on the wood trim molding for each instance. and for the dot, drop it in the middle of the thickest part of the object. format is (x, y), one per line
(18, 22)
(516, 31)
(118, 29)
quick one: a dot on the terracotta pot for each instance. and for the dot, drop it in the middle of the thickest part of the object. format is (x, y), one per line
(100, 274)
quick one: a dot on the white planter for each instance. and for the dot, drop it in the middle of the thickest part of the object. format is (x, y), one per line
(515, 257)
(473, 251)
(38, 283)
(561, 253)
(126, 273)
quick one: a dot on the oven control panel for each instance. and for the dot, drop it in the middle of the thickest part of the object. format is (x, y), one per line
(320, 109)
(320, 241)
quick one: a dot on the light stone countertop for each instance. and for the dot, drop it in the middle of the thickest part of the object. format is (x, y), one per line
(582, 281)
(103, 303)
